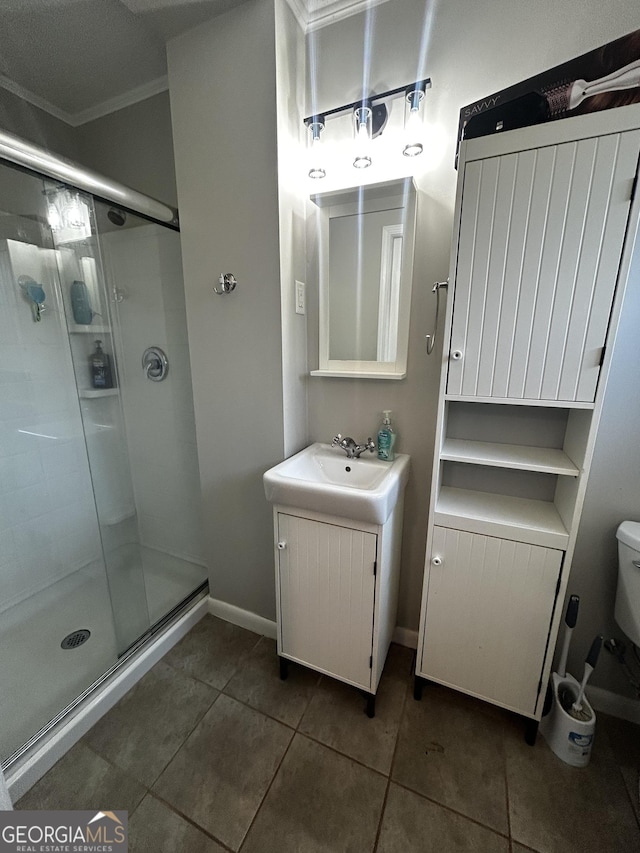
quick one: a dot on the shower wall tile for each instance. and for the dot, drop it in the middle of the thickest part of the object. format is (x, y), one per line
(19, 471)
(62, 457)
(27, 503)
(15, 436)
(8, 548)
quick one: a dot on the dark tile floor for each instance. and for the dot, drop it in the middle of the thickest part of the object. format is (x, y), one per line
(211, 752)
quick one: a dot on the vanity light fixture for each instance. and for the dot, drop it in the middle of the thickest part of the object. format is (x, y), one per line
(316, 126)
(369, 120)
(362, 126)
(414, 96)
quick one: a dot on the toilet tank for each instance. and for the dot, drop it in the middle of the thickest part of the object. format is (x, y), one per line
(627, 609)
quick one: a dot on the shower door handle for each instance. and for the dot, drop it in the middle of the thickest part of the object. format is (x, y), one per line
(155, 364)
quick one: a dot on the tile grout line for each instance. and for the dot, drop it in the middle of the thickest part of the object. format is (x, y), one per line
(128, 772)
(190, 821)
(266, 793)
(451, 809)
(393, 758)
(243, 657)
(309, 701)
(506, 794)
(191, 731)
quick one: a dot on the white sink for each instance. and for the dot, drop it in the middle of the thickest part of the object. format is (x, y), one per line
(323, 479)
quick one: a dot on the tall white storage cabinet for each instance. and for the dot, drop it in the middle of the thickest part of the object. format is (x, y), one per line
(546, 221)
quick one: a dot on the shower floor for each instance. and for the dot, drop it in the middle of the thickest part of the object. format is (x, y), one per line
(37, 677)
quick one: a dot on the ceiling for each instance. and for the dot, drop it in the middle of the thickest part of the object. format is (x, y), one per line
(80, 59)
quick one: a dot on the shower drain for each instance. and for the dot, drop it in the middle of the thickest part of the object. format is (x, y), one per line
(77, 638)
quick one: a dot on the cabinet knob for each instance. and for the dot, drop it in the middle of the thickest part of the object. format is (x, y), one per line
(282, 546)
(456, 354)
(436, 561)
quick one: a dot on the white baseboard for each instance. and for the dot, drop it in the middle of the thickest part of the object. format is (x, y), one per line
(259, 625)
(33, 765)
(405, 637)
(243, 618)
(619, 706)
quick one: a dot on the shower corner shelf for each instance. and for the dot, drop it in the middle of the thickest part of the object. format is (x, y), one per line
(93, 393)
(77, 329)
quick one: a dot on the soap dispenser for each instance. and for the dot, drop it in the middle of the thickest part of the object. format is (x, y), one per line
(386, 438)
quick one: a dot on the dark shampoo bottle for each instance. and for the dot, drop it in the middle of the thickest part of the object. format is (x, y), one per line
(100, 367)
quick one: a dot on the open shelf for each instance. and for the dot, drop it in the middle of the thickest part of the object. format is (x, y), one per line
(78, 329)
(547, 460)
(522, 519)
(93, 393)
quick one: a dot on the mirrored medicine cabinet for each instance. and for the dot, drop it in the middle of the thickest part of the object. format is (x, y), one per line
(365, 263)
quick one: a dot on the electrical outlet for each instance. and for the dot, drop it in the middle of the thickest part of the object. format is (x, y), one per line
(300, 298)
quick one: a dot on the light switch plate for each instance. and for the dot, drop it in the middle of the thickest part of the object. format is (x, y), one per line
(300, 298)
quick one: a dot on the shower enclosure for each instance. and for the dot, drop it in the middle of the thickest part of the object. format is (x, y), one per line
(100, 529)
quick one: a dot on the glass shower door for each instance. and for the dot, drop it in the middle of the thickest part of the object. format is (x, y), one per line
(143, 269)
(53, 580)
(100, 528)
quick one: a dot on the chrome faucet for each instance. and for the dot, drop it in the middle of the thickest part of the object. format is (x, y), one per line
(352, 449)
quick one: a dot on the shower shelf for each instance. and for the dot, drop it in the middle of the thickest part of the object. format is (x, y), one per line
(76, 329)
(92, 393)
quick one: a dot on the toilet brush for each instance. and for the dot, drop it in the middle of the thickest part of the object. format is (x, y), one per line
(570, 620)
(576, 708)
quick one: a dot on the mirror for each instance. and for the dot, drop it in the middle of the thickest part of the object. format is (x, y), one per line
(365, 246)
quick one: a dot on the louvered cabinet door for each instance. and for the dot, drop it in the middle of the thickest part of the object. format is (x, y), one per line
(540, 239)
(489, 608)
(326, 586)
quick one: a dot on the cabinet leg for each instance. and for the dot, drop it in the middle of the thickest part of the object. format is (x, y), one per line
(531, 731)
(371, 705)
(418, 684)
(284, 668)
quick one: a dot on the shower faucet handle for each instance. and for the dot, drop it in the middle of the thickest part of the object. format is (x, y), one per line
(227, 282)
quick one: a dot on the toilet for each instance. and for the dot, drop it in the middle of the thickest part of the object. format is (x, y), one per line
(627, 610)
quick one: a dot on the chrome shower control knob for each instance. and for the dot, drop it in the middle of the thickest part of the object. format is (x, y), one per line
(227, 282)
(155, 364)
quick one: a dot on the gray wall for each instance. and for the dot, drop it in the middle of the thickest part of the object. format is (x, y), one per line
(613, 495)
(223, 92)
(290, 103)
(469, 50)
(134, 146)
(35, 125)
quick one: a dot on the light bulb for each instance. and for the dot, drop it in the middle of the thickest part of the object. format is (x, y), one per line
(413, 123)
(317, 170)
(362, 117)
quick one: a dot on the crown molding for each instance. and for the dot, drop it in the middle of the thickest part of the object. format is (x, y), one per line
(322, 13)
(311, 15)
(111, 105)
(33, 99)
(119, 102)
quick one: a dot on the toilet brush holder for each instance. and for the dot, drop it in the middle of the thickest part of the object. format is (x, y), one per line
(569, 738)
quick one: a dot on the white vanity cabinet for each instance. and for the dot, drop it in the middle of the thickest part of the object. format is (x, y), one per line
(545, 226)
(502, 593)
(337, 593)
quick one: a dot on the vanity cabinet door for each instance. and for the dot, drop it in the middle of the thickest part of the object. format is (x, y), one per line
(541, 235)
(489, 608)
(326, 586)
